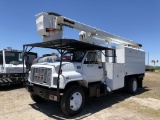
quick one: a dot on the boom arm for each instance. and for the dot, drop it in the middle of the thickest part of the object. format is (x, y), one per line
(50, 26)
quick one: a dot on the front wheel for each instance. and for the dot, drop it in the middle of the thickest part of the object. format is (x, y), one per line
(73, 100)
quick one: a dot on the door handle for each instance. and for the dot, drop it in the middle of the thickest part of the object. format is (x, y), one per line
(100, 67)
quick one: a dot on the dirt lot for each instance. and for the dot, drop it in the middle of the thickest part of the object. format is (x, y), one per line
(16, 104)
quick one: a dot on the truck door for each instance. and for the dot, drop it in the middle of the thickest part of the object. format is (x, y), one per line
(92, 69)
(1, 61)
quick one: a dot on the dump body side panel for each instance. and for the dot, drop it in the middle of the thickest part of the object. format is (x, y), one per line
(133, 59)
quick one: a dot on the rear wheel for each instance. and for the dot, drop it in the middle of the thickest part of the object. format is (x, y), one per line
(73, 100)
(37, 98)
(132, 85)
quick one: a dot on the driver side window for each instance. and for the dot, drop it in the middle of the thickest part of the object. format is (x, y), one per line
(91, 58)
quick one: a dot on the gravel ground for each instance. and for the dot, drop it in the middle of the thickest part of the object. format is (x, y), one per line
(16, 104)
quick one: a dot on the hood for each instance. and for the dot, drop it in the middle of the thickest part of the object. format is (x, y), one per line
(66, 66)
(55, 64)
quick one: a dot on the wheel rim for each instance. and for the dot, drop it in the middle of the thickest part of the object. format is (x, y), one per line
(134, 85)
(75, 101)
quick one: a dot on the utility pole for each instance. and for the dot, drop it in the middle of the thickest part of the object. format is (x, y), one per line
(148, 58)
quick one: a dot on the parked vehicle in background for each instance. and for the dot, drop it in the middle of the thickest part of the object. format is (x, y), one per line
(11, 66)
(150, 68)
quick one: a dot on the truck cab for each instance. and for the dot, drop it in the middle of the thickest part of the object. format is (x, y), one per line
(79, 66)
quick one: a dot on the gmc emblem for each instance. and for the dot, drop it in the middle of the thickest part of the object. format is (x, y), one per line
(38, 75)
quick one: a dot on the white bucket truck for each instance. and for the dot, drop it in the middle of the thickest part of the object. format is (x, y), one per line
(90, 68)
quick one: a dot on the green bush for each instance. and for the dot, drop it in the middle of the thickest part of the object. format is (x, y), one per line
(157, 68)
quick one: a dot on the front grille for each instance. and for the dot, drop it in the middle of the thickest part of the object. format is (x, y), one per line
(41, 75)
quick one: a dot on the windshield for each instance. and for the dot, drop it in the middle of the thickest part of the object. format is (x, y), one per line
(12, 57)
(49, 59)
(72, 57)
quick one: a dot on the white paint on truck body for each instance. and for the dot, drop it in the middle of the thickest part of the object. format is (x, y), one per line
(115, 75)
(128, 61)
(133, 59)
(70, 72)
(9, 68)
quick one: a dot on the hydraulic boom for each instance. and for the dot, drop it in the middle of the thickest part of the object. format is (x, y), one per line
(50, 26)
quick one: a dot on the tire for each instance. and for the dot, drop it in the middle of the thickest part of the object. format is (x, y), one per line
(132, 85)
(37, 98)
(73, 100)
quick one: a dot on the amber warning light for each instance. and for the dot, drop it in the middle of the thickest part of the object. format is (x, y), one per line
(50, 29)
